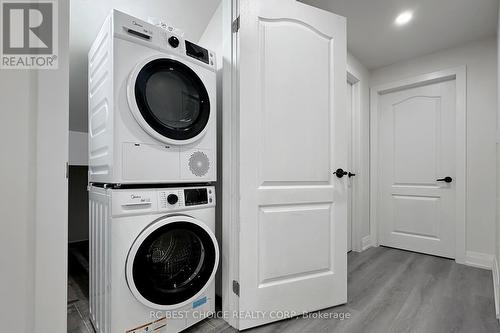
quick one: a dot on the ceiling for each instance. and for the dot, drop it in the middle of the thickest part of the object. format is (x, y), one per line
(375, 40)
(87, 16)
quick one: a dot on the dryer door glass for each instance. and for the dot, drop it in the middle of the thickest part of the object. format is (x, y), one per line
(172, 99)
(174, 263)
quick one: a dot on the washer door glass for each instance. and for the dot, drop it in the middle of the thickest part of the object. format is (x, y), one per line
(172, 99)
(174, 263)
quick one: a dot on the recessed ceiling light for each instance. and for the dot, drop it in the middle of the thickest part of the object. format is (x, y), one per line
(404, 18)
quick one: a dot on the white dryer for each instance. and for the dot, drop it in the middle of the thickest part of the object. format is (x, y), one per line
(153, 258)
(152, 106)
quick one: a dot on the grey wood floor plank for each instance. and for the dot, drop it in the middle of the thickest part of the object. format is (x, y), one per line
(389, 290)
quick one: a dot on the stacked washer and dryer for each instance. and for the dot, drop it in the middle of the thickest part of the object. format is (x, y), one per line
(152, 155)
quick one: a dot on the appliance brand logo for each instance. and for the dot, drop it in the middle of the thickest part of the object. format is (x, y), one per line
(29, 34)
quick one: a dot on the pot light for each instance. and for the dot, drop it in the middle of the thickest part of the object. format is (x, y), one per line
(404, 18)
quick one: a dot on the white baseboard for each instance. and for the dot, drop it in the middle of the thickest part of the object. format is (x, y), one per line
(366, 242)
(496, 286)
(478, 259)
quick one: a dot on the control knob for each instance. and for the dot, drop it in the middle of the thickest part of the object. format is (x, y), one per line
(173, 41)
(172, 199)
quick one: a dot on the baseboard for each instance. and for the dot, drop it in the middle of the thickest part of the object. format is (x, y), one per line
(479, 260)
(496, 286)
(366, 242)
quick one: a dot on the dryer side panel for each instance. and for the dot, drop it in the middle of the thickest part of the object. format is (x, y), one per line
(100, 104)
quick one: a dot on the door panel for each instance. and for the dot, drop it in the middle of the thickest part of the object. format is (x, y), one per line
(417, 147)
(416, 125)
(292, 125)
(308, 249)
(296, 101)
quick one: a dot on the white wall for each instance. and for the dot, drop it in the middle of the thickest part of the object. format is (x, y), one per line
(480, 57)
(33, 191)
(362, 151)
(212, 39)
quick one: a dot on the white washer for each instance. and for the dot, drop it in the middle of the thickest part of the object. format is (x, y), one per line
(152, 106)
(153, 258)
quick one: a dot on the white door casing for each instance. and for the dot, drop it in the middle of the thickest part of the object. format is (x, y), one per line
(416, 147)
(350, 163)
(292, 134)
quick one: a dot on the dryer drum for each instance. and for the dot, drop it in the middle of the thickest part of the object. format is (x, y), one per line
(173, 263)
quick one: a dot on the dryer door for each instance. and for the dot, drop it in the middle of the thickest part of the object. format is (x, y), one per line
(169, 100)
(172, 262)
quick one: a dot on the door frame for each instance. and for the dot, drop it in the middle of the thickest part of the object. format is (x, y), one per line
(459, 74)
(356, 151)
(230, 163)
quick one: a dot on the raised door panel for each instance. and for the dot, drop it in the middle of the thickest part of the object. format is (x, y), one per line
(295, 70)
(289, 251)
(416, 140)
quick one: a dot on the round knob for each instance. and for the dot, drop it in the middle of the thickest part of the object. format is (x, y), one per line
(172, 199)
(173, 41)
(340, 173)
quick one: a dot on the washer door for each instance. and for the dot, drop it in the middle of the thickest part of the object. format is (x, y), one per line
(172, 262)
(169, 100)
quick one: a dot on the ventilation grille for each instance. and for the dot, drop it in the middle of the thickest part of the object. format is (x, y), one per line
(199, 164)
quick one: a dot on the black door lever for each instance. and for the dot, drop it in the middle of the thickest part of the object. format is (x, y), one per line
(341, 173)
(445, 179)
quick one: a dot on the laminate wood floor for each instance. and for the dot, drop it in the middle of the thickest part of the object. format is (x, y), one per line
(389, 290)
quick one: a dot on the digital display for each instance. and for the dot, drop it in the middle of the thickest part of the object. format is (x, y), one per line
(197, 52)
(196, 196)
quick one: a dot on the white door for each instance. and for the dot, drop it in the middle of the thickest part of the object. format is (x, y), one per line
(417, 153)
(293, 210)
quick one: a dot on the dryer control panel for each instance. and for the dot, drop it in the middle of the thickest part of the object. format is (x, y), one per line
(144, 33)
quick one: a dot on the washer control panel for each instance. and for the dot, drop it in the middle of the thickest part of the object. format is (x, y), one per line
(187, 197)
(145, 201)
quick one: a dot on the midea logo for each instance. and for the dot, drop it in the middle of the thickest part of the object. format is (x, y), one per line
(29, 34)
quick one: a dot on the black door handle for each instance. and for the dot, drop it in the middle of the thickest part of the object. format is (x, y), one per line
(340, 173)
(445, 179)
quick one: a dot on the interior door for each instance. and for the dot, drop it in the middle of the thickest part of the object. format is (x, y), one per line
(417, 152)
(293, 210)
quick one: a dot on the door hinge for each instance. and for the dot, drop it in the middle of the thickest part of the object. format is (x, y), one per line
(235, 26)
(67, 170)
(236, 288)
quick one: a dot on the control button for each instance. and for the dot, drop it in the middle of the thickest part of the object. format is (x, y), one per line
(172, 199)
(209, 191)
(173, 41)
(210, 200)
